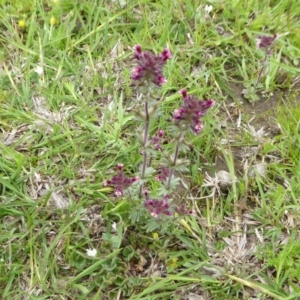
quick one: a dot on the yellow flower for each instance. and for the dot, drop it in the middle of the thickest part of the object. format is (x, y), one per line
(174, 260)
(155, 235)
(22, 24)
(53, 21)
(173, 263)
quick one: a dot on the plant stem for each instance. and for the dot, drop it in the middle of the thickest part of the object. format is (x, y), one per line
(174, 160)
(261, 70)
(146, 136)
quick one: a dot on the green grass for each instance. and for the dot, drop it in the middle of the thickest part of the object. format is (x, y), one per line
(64, 131)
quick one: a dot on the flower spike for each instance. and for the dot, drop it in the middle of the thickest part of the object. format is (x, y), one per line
(149, 66)
(191, 111)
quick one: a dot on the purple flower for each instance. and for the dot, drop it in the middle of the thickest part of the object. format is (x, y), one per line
(158, 207)
(149, 66)
(156, 140)
(182, 210)
(120, 181)
(163, 174)
(191, 111)
(265, 42)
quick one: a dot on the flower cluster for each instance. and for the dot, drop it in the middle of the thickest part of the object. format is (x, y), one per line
(192, 111)
(156, 140)
(149, 66)
(182, 210)
(265, 42)
(163, 207)
(91, 252)
(158, 207)
(163, 174)
(120, 181)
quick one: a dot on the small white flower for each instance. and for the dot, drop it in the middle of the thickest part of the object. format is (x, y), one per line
(39, 70)
(114, 226)
(91, 252)
(208, 9)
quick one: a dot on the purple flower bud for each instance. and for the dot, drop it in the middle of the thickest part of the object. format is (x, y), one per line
(161, 133)
(118, 193)
(154, 215)
(137, 73)
(161, 80)
(166, 54)
(178, 113)
(138, 51)
(183, 93)
(198, 127)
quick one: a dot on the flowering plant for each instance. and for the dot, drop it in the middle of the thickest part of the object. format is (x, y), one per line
(265, 43)
(148, 76)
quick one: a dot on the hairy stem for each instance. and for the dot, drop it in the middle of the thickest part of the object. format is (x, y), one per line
(146, 136)
(174, 160)
(261, 70)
